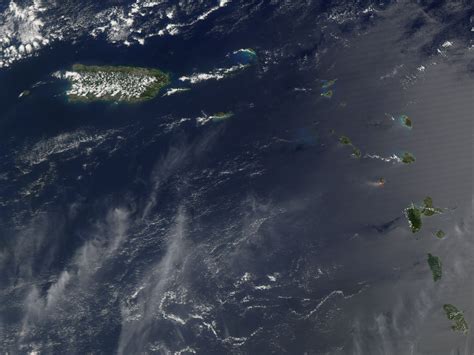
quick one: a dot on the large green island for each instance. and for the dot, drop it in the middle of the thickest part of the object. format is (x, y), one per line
(457, 317)
(114, 83)
(415, 213)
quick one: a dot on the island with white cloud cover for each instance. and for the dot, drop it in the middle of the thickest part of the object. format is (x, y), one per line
(113, 83)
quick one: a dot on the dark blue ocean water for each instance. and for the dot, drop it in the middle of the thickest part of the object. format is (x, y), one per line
(130, 228)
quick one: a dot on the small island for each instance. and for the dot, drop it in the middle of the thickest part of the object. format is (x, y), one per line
(440, 234)
(436, 267)
(455, 315)
(356, 153)
(327, 90)
(245, 56)
(24, 93)
(328, 83)
(345, 140)
(327, 94)
(408, 158)
(215, 118)
(113, 83)
(406, 121)
(221, 116)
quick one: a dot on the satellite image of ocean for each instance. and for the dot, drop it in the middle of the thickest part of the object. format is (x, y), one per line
(236, 177)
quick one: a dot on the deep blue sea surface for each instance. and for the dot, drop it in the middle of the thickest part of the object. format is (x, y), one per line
(135, 228)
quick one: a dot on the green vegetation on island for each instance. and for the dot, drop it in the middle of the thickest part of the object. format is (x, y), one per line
(415, 213)
(457, 317)
(221, 116)
(327, 94)
(345, 140)
(356, 153)
(327, 90)
(436, 267)
(114, 83)
(406, 121)
(408, 158)
(440, 234)
(428, 208)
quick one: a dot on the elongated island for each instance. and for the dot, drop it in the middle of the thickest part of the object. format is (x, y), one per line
(113, 83)
(436, 267)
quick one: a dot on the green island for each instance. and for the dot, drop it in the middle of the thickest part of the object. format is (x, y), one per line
(428, 208)
(114, 83)
(345, 140)
(326, 88)
(406, 121)
(440, 234)
(408, 158)
(327, 94)
(436, 267)
(356, 153)
(221, 116)
(455, 315)
(415, 213)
